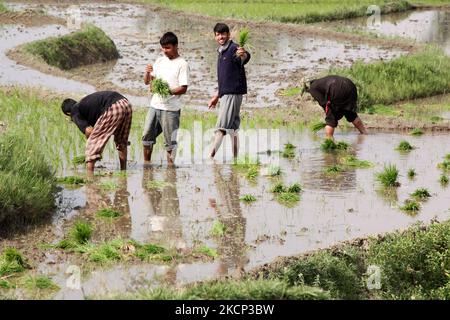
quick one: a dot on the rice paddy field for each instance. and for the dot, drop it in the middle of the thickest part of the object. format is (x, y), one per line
(294, 217)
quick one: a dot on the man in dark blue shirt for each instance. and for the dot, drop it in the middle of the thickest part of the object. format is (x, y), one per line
(99, 116)
(232, 87)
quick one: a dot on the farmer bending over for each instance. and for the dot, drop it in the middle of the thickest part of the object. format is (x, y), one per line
(232, 87)
(338, 97)
(99, 116)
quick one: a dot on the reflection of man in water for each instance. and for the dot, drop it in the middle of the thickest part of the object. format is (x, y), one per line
(165, 224)
(98, 199)
(338, 97)
(231, 246)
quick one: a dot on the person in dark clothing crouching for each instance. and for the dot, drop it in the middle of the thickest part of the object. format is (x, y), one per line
(338, 97)
(99, 116)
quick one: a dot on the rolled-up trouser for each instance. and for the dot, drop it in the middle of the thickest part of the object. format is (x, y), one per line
(161, 121)
(229, 119)
(116, 120)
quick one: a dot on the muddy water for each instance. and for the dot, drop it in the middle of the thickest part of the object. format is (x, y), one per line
(431, 26)
(278, 60)
(332, 208)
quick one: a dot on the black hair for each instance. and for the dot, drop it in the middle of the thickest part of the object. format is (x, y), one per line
(168, 38)
(221, 28)
(67, 106)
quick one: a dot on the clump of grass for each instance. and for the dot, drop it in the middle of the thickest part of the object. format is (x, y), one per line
(410, 206)
(416, 132)
(12, 261)
(244, 36)
(218, 229)
(278, 188)
(405, 146)
(84, 47)
(248, 198)
(353, 161)
(445, 165)
(447, 157)
(6, 284)
(317, 126)
(161, 87)
(108, 185)
(334, 169)
(274, 171)
(444, 180)
(106, 252)
(388, 177)
(81, 232)
(411, 173)
(288, 199)
(330, 145)
(40, 283)
(295, 188)
(157, 184)
(421, 193)
(210, 252)
(435, 119)
(289, 151)
(108, 213)
(79, 160)
(252, 173)
(72, 180)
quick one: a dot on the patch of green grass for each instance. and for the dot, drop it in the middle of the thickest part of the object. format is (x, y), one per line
(405, 146)
(278, 188)
(421, 193)
(81, 232)
(218, 229)
(334, 169)
(72, 180)
(106, 252)
(84, 47)
(353, 161)
(330, 145)
(290, 92)
(161, 87)
(295, 188)
(317, 126)
(40, 283)
(447, 157)
(252, 172)
(410, 206)
(411, 173)
(210, 252)
(6, 284)
(274, 171)
(248, 198)
(444, 180)
(288, 153)
(108, 213)
(109, 185)
(157, 184)
(436, 119)
(288, 199)
(416, 132)
(12, 261)
(388, 177)
(28, 184)
(245, 163)
(445, 165)
(78, 160)
(408, 77)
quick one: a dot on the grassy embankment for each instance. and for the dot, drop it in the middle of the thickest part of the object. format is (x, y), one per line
(413, 265)
(84, 47)
(297, 11)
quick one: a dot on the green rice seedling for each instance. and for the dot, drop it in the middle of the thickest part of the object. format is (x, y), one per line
(244, 37)
(288, 153)
(421, 193)
(252, 172)
(274, 171)
(244, 163)
(157, 184)
(411, 173)
(289, 146)
(405, 146)
(108, 213)
(445, 165)
(416, 132)
(218, 229)
(317, 126)
(210, 252)
(109, 185)
(288, 199)
(447, 157)
(71, 180)
(81, 232)
(248, 198)
(330, 145)
(161, 87)
(410, 206)
(334, 169)
(388, 177)
(353, 161)
(443, 180)
(40, 283)
(294, 188)
(278, 188)
(78, 160)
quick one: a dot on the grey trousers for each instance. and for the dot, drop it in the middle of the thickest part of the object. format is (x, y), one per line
(229, 119)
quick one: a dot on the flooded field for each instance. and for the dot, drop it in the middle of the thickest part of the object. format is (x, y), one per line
(179, 208)
(279, 60)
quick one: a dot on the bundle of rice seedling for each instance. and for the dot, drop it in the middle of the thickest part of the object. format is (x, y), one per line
(161, 87)
(244, 36)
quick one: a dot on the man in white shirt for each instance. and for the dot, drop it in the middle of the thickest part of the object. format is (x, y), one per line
(164, 113)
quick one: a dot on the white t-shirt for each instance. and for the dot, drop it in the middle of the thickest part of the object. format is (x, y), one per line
(176, 73)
